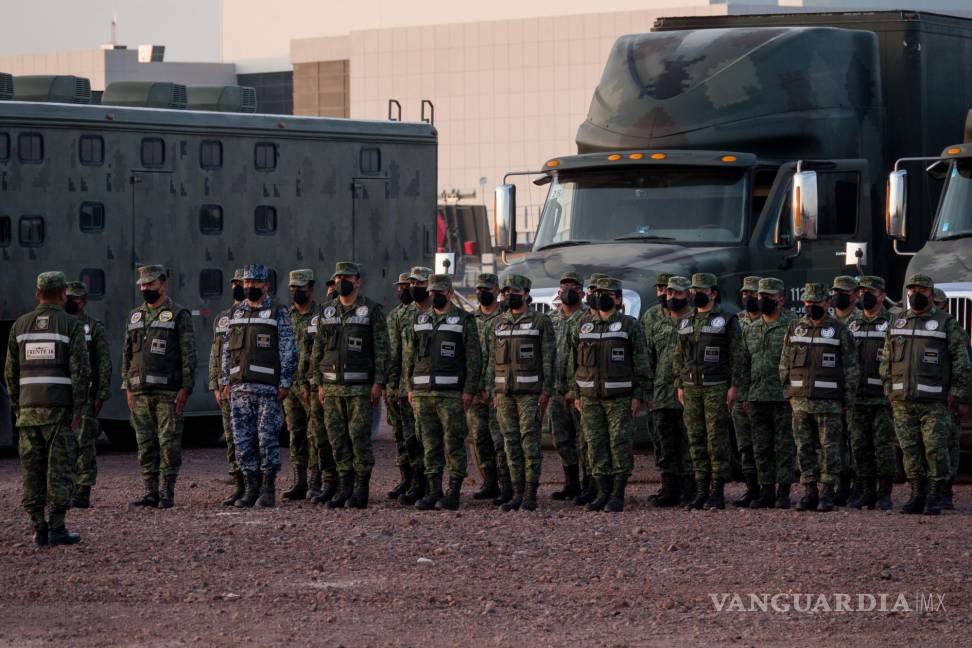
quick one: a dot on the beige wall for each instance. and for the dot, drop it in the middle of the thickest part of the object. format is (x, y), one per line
(321, 89)
(85, 63)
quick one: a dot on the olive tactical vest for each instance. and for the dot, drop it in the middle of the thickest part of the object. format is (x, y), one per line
(921, 367)
(89, 324)
(705, 360)
(349, 349)
(816, 361)
(604, 367)
(870, 349)
(156, 354)
(43, 338)
(518, 358)
(440, 352)
(254, 346)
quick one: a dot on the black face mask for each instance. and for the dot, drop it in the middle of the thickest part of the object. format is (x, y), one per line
(254, 294)
(591, 300)
(677, 303)
(405, 297)
(869, 301)
(151, 296)
(570, 298)
(238, 293)
(663, 300)
(72, 307)
(751, 305)
(439, 301)
(514, 301)
(842, 301)
(346, 288)
(701, 300)
(918, 301)
(301, 297)
(816, 312)
(767, 305)
(605, 302)
(485, 298)
(419, 293)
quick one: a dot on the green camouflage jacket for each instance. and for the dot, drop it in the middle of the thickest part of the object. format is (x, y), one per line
(96, 336)
(562, 323)
(662, 338)
(301, 322)
(220, 326)
(764, 345)
(483, 327)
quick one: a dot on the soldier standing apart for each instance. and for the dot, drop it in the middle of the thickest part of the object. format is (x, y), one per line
(954, 426)
(220, 328)
(869, 421)
(564, 422)
(656, 313)
(818, 369)
(740, 421)
(397, 412)
(349, 365)
(48, 379)
(99, 359)
(158, 374)
(710, 373)
(770, 417)
(610, 374)
(443, 372)
(257, 370)
(925, 370)
(844, 299)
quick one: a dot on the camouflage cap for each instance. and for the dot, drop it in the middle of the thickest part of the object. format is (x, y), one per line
(487, 280)
(870, 281)
(349, 268)
(679, 284)
(237, 275)
(301, 278)
(608, 283)
(770, 286)
(845, 282)
(940, 296)
(149, 273)
(53, 280)
(516, 282)
(661, 279)
(920, 280)
(751, 284)
(592, 282)
(440, 282)
(420, 273)
(76, 289)
(704, 280)
(815, 292)
(255, 272)
(572, 277)
(402, 279)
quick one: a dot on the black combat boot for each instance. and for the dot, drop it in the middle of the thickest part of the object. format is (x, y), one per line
(687, 490)
(752, 492)
(237, 491)
(251, 491)
(344, 492)
(604, 489)
(416, 491)
(530, 497)
(867, 495)
(151, 496)
(505, 489)
(167, 496)
(783, 497)
(433, 492)
(588, 491)
(314, 484)
(947, 499)
(359, 497)
(57, 534)
(765, 499)
(810, 499)
(572, 486)
(827, 499)
(884, 502)
(933, 504)
(668, 497)
(404, 484)
(616, 502)
(717, 498)
(450, 501)
(39, 524)
(843, 490)
(268, 491)
(916, 503)
(701, 495)
(490, 487)
(328, 489)
(82, 497)
(519, 486)
(298, 490)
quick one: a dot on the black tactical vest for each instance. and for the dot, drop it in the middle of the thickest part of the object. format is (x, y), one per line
(816, 361)
(921, 367)
(156, 363)
(440, 352)
(254, 345)
(870, 349)
(518, 357)
(349, 344)
(43, 338)
(705, 353)
(604, 367)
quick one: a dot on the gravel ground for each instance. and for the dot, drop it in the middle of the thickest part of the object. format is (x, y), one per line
(202, 574)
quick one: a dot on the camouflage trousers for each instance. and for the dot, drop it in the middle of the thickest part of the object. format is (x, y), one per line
(227, 413)
(309, 445)
(744, 441)
(487, 437)
(399, 415)
(519, 418)
(86, 467)
(774, 449)
(707, 423)
(818, 445)
(257, 417)
(922, 431)
(670, 440)
(348, 423)
(47, 463)
(609, 428)
(568, 437)
(954, 445)
(872, 440)
(158, 431)
(441, 425)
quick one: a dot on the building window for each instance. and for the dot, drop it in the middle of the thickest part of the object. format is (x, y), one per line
(94, 282)
(92, 217)
(32, 231)
(265, 219)
(210, 219)
(4, 147)
(30, 148)
(265, 156)
(211, 154)
(4, 231)
(370, 160)
(211, 283)
(153, 152)
(91, 150)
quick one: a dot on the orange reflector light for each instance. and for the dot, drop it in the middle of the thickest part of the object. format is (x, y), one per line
(636, 156)
(553, 163)
(728, 158)
(954, 151)
(658, 156)
(614, 157)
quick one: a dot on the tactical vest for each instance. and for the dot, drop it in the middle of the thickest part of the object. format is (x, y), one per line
(604, 367)
(921, 367)
(254, 346)
(43, 338)
(518, 357)
(349, 344)
(816, 361)
(870, 349)
(89, 324)
(156, 354)
(705, 360)
(440, 352)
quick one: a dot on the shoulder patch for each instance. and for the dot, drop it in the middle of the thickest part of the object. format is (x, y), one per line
(43, 323)
(900, 323)
(329, 312)
(87, 328)
(165, 316)
(526, 325)
(361, 311)
(881, 326)
(136, 317)
(931, 325)
(223, 322)
(718, 322)
(615, 326)
(828, 332)
(265, 313)
(238, 314)
(684, 323)
(452, 319)
(855, 325)
(800, 330)
(423, 318)
(315, 320)
(587, 327)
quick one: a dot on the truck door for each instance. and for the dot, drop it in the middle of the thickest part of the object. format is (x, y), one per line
(843, 198)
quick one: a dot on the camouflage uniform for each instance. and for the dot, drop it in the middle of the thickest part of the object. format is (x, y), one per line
(847, 284)
(740, 420)
(48, 446)
(953, 423)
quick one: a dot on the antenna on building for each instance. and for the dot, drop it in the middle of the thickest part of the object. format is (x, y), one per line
(114, 29)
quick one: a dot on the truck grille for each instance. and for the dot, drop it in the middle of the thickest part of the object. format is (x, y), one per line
(961, 309)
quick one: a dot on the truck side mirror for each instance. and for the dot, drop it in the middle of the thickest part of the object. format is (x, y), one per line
(803, 210)
(895, 218)
(504, 216)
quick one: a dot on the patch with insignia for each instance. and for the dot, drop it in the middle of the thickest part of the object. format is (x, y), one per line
(43, 323)
(615, 326)
(263, 340)
(855, 326)
(361, 311)
(158, 346)
(165, 316)
(684, 323)
(882, 326)
(526, 325)
(423, 318)
(315, 320)
(265, 313)
(800, 331)
(931, 325)
(223, 322)
(900, 323)
(587, 327)
(452, 319)
(718, 322)
(136, 317)
(87, 328)
(238, 314)
(828, 332)
(329, 312)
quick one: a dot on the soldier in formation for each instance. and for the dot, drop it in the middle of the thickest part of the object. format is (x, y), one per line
(398, 413)
(954, 427)
(220, 328)
(749, 297)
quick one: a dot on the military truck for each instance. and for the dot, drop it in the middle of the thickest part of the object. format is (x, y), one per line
(97, 190)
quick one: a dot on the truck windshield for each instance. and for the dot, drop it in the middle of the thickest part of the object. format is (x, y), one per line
(680, 204)
(955, 215)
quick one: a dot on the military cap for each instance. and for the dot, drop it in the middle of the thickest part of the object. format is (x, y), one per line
(76, 289)
(608, 283)
(149, 273)
(420, 273)
(870, 281)
(572, 277)
(815, 292)
(402, 279)
(751, 284)
(845, 282)
(704, 280)
(440, 282)
(301, 278)
(516, 282)
(679, 284)
(53, 280)
(940, 295)
(255, 272)
(237, 275)
(920, 280)
(346, 268)
(661, 279)
(487, 280)
(592, 282)
(770, 285)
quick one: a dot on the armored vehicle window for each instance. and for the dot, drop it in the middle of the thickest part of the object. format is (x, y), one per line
(210, 219)
(30, 148)
(210, 283)
(153, 152)
(91, 150)
(838, 201)
(265, 156)
(370, 160)
(32, 231)
(92, 217)
(4, 231)
(4, 147)
(94, 281)
(211, 154)
(265, 219)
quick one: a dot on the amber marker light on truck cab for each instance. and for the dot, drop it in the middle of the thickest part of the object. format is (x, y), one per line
(728, 158)
(636, 156)
(953, 151)
(614, 157)
(658, 156)
(553, 163)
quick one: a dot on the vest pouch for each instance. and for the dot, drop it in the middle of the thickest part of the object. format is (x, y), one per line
(235, 341)
(898, 348)
(502, 351)
(137, 340)
(331, 338)
(587, 355)
(801, 354)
